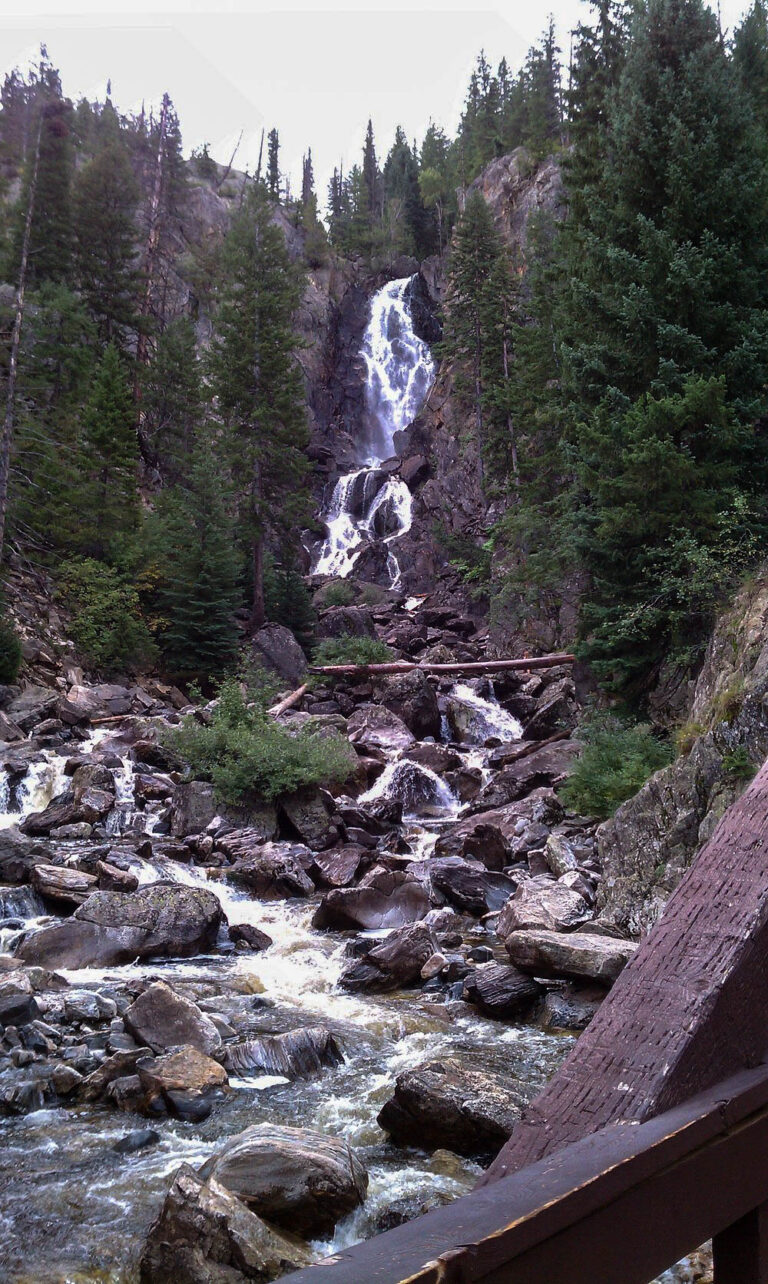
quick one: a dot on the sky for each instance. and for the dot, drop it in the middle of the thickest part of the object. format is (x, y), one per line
(315, 73)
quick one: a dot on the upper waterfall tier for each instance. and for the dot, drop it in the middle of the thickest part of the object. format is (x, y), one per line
(399, 369)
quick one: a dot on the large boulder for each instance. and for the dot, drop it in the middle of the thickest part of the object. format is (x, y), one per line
(277, 649)
(466, 837)
(443, 1104)
(542, 903)
(302, 1180)
(308, 817)
(500, 991)
(19, 854)
(297, 1054)
(63, 884)
(390, 899)
(413, 698)
(270, 871)
(574, 954)
(547, 766)
(184, 1083)
(395, 963)
(338, 867)
(376, 730)
(205, 1235)
(161, 1019)
(346, 621)
(32, 706)
(469, 886)
(193, 807)
(17, 1001)
(164, 920)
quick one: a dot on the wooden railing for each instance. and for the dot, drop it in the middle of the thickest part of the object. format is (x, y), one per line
(616, 1207)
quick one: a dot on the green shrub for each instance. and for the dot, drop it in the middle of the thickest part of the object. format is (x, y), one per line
(351, 650)
(251, 758)
(335, 593)
(616, 760)
(737, 765)
(107, 625)
(10, 652)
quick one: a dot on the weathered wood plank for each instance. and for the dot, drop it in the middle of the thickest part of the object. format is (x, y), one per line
(687, 1011)
(740, 1252)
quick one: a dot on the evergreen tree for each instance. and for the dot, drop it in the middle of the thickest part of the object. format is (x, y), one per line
(171, 398)
(273, 164)
(108, 459)
(371, 176)
(750, 58)
(50, 245)
(260, 387)
(106, 196)
(409, 227)
(200, 567)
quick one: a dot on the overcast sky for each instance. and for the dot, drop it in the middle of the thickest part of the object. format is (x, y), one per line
(315, 73)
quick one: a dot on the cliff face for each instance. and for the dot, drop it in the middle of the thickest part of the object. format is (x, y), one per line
(652, 839)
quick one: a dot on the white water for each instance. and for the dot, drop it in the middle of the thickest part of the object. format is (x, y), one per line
(43, 781)
(368, 505)
(487, 716)
(420, 790)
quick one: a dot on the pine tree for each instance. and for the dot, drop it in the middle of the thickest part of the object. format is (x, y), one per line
(371, 175)
(50, 245)
(106, 196)
(750, 58)
(409, 230)
(108, 459)
(171, 399)
(199, 571)
(260, 387)
(273, 164)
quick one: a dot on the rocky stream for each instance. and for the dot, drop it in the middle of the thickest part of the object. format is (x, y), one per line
(233, 1041)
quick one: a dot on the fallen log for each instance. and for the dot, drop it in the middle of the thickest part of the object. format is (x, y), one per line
(288, 702)
(469, 666)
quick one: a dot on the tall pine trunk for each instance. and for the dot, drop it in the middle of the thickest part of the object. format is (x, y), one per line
(153, 240)
(7, 438)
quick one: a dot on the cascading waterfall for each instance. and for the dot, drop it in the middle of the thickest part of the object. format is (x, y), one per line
(370, 505)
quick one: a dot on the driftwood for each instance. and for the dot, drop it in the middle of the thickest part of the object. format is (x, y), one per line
(470, 666)
(288, 702)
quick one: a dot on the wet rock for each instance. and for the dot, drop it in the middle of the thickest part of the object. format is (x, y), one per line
(373, 728)
(463, 838)
(542, 903)
(570, 1008)
(557, 710)
(438, 758)
(391, 899)
(337, 868)
(575, 954)
(61, 883)
(271, 871)
(87, 1006)
(500, 991)
(112, 879)
(413, 699)
(469, 885)
(279, 651)
(193, 808)
(248, 935)
(398, 961)
(32, 706)
(302, 1180)
(163, 920)
(18, 855)
(17, 1000)
(440, 1103)
(153, 754)
(559, 855)
(414, 471)
(548, 766)
(139, 1139)
(161, 1019)
(205, 1235)
(120, 1065)
(296, 1054)
(184, 1083)
(308, 817)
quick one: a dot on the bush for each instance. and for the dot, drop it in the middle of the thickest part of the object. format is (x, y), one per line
(616, 761)
(335, 593)
(251, 758)
(351, 650)
(10, 652)
(106, 615)
(737, 764)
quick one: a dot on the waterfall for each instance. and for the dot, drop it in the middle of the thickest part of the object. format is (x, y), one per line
(419, 789)
(369, 505)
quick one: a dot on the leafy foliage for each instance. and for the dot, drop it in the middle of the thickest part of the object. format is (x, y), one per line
(250, 758)
(10, 652)
(347, 649)
(106, 615)
(615, 762)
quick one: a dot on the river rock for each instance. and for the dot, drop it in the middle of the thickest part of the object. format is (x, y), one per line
(61, 883)
(31, 706)
(574, 954)
(305, 1181)
(571, 1007)
(548, 766)
(271, 871)
(250, 936)
(205, 1235)
(443, 1104)
(438, 758)
(164, 920)
(412, 697)
(19, 854)
(296, 1054)
(501, 991)
(337, 868)
(17, 1000)
(557, 710)
(372, 729)
(398, 961)
(391, 899)
(277, 648)
(469, 885)
(307, 815)
(462, 839)
(542, 903)
(161, 1019)
(112, 879)
(346, 621)
(193, 808)
(184, 1083)
(120, 1065)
